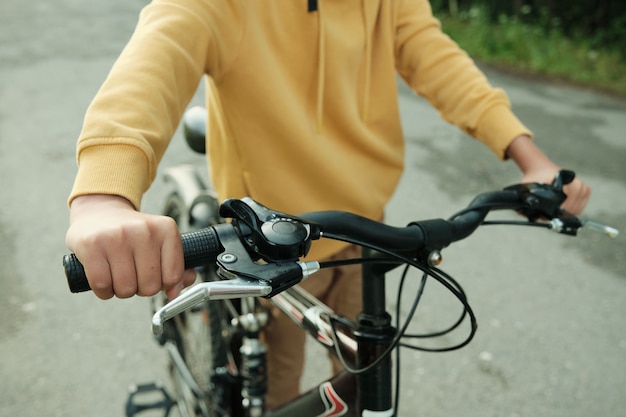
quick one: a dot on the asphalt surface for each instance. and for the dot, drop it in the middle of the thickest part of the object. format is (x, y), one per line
(551, 309)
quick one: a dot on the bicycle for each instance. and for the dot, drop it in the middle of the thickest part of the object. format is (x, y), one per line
(211, 332)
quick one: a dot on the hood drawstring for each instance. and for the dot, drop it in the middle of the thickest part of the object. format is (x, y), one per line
(314, 6)
(321, 65)
(368, 61)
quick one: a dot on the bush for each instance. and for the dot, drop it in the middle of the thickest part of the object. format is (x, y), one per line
(513, 43)
(602, 23)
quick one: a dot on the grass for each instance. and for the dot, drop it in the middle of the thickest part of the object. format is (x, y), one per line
(525, 49)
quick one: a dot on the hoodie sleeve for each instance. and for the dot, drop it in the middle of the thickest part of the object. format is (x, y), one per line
(438, 69)
(131, 120)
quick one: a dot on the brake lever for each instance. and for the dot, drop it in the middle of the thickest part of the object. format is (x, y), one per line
(611, 232)
(565, 177)
(205, 291)
(232, 287)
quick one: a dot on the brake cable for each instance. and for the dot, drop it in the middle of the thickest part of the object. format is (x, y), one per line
(396, 340)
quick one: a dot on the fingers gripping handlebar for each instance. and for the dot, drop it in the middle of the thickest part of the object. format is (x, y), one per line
(199, 247)
(258, 233)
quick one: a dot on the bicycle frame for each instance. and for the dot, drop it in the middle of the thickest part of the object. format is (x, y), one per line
(336, 396)
(360, 343)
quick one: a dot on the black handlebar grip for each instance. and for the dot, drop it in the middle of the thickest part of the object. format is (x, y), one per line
(75, 274)
(200, 247)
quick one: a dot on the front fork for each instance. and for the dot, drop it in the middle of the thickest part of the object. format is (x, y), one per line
(253, 368)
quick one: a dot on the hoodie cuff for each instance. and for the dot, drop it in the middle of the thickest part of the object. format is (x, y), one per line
(114, 170)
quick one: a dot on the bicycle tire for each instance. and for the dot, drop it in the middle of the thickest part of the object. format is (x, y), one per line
(200, 339)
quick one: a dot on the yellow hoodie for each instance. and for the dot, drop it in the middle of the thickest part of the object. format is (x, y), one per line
(303, 109)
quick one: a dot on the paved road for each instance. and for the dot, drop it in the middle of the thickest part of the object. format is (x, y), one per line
(551, 341)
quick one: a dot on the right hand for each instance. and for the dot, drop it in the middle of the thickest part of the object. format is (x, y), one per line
(125, 252)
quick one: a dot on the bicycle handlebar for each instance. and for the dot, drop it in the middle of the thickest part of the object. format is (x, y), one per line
(258, 232)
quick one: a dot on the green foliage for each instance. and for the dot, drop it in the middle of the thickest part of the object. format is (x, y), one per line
(519, 42)
(601, 22)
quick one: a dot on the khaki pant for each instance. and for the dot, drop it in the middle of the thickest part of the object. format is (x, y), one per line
(340, 289)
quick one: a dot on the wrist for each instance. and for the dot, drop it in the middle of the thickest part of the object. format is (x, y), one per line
(527, 155)
(91, 202)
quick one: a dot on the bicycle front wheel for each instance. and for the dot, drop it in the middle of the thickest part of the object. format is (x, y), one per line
(202, 369)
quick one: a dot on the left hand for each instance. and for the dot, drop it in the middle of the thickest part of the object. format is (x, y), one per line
(537, 167)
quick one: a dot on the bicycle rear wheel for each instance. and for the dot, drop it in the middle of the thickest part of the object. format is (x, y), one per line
(202, 369)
